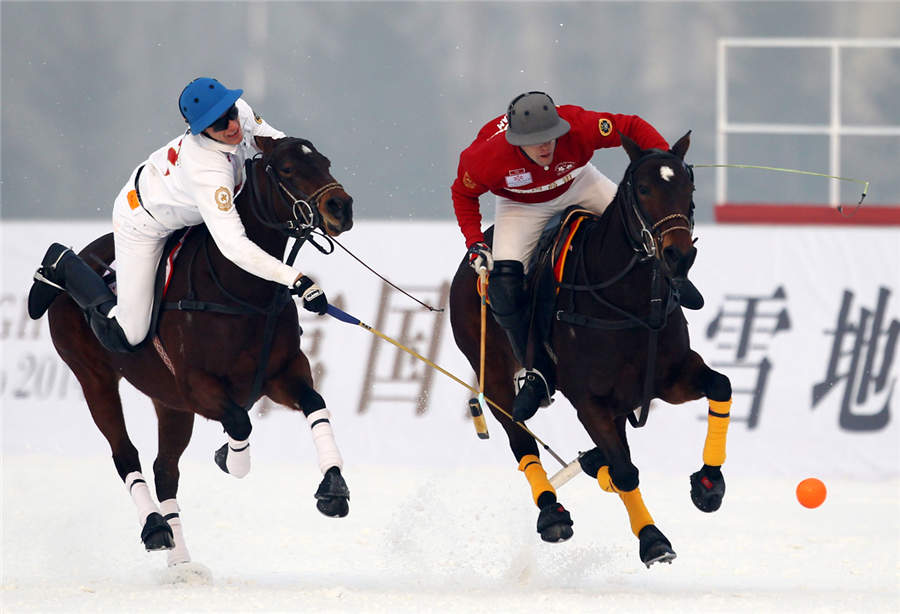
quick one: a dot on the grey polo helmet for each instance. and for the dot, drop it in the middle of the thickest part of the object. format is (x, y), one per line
(533, 119)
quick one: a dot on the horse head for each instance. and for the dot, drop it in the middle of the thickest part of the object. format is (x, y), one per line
(303, 175)
(658, 204)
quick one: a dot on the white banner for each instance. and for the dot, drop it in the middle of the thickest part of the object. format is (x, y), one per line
(804, 321)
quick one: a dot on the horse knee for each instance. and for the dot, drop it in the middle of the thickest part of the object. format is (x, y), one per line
(310, 401)
(717, 387)
(624, 476)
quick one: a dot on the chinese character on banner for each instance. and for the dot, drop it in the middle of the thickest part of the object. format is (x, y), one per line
(743, 329)
(393, 375)
(311, 345)
(867, 364)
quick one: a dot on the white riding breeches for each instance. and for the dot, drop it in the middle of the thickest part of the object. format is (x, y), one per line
(518, 226)
(139, 243)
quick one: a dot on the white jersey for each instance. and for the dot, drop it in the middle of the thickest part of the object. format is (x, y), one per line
(194, 179)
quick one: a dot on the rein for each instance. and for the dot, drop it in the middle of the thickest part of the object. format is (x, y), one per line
(664, 299)
(305, 220)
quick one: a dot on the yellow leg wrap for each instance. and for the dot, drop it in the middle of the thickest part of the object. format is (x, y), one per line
(716, 432)
(637, 511)
(534, 472)
(604, 480)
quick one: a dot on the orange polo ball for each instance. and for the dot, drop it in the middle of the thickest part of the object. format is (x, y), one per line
(811, 492)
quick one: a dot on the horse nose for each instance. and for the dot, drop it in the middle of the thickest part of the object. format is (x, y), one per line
(679, 262)
(342, 210)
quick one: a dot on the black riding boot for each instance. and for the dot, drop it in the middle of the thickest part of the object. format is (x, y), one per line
(509, 305)
(63, 270)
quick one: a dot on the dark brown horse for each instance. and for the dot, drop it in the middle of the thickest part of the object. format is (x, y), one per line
(224, 339)
(618, 338)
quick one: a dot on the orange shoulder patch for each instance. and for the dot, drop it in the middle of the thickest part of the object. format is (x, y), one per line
(468, 182)
(133, 201)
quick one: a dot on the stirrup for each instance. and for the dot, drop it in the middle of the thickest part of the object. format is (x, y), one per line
(521, 377)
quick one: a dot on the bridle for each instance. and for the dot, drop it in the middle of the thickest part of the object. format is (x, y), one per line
(649, 236)
(304, 209)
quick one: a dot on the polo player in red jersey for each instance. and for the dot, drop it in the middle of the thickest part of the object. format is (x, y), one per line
(536, 159)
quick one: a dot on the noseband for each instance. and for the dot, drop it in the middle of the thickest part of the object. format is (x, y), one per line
(649, 239)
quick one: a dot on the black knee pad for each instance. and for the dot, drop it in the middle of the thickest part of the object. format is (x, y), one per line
(506, 292)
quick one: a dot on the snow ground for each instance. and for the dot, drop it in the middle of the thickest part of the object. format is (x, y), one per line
(432, 540)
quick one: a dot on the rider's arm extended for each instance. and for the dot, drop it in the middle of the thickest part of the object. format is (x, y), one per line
(213, 191)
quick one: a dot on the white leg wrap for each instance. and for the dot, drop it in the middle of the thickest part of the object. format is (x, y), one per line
(170, 511)
(238, 459)
(323, 437)
(137, 487)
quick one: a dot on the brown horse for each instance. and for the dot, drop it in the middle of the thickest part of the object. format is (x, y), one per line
(618, 338)
(224, 338)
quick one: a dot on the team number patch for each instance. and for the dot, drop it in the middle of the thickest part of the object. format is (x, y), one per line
(223, 199)
(517, 178)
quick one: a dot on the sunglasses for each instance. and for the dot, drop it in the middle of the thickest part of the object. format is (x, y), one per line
(222, 123)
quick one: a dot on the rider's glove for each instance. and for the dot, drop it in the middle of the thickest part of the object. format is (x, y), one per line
(313, 298)
(480, 256)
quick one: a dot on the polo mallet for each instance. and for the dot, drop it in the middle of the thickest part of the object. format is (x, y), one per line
(343, 316)
(477, 405)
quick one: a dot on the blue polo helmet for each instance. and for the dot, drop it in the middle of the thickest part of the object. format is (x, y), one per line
(205, 100)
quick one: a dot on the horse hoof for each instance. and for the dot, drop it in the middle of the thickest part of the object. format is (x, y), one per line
(333, 496)
(555, 523)
(220, 457)
(707, 488)
(655, 548)
(157, 534)
(333, 507)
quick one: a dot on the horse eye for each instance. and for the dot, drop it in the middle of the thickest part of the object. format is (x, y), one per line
(286, 170)
(643, 190)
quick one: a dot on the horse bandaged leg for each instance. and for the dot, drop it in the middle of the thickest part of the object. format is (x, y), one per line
(534, 472)
(716, 432)
(171, 513)
(155, 531)
(554, 522)
(323, 438)
(638, 515)
(332, 495)
(234, 457)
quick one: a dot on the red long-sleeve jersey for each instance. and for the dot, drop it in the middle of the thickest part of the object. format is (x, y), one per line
(490, 163)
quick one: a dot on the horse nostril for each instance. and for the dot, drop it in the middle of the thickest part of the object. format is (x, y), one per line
(335, 206)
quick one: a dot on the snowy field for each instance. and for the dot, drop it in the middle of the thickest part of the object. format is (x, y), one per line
(428, 540)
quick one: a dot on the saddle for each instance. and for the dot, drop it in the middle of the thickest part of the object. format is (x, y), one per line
(164, 272)
(547, 269)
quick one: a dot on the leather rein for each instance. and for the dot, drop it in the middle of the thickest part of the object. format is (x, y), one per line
(306, 220)
(647, 247)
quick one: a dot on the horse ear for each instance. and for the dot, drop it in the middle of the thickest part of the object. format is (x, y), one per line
(634, 152)
(265, 143)
(680, 148)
